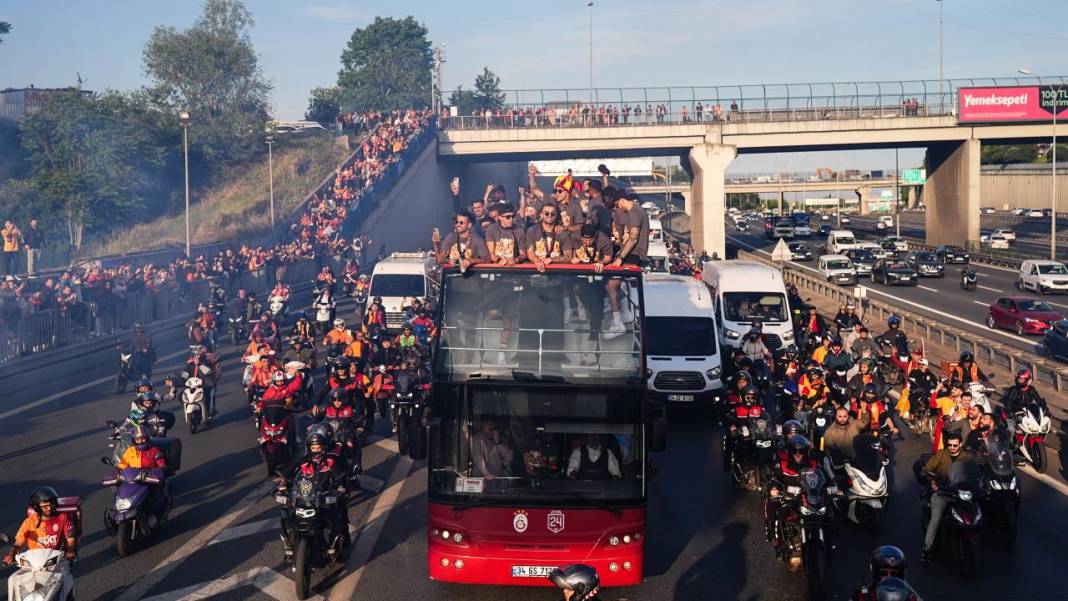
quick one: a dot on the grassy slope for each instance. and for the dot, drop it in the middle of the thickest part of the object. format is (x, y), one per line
(237, 206)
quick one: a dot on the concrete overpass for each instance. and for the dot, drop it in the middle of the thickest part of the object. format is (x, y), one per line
(706, 150)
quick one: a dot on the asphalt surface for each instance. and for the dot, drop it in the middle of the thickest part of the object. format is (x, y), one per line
(1032, 234)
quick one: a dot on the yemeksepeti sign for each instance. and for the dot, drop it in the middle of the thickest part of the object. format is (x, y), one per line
(1012, 104)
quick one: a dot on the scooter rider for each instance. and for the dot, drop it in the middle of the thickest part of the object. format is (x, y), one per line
(48, 528)
(847, 318)
(577, 582)
(280, 393)
(1018, 396)
(754, 347)
(317, 461)
(895, 337)
(966, 371)
(887, 565)
(920, 383)
(938, 465)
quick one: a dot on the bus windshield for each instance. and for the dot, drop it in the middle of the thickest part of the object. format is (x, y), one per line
(506, 443)
(521, 325)
(750, 306)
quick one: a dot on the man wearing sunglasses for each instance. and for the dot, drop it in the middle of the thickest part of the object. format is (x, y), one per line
(544, 241)
(936, 470)
(461, 246)
(505, 238)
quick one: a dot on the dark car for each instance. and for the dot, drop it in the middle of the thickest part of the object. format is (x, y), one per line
(825, 228)
(1022, 314)
(890, 248)
(891, 272)
(927, 264)
(862, 259)
(1055, 341)
(799, 252)
(952, 254)
(741, 226)
(769, 227)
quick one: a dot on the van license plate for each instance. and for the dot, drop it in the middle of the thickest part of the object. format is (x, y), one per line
(684, 398)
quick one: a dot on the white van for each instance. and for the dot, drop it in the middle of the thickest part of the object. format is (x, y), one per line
(402, 277)
(838, 269)
(744, 292)
(681, 346)
(839, 241)
(658, 251)
(1043, 276)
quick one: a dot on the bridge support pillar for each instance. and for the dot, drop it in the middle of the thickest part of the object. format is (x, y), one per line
(951, 193)
(863, 196)
(708, 205)
(911, 203)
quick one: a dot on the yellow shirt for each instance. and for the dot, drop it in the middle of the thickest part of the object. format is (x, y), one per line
(819, 354)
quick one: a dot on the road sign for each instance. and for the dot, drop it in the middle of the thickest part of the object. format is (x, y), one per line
(781, 254)
(914, 176)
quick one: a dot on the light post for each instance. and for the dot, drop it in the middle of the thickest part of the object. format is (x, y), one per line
(270, 172)
(897, 195)
(941, 46)
(183, 118)
(590, 4)
(1053, 161)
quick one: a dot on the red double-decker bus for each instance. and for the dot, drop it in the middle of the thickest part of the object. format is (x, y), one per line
(540, 426)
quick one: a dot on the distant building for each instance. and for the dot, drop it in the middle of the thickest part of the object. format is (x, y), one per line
(17, 103)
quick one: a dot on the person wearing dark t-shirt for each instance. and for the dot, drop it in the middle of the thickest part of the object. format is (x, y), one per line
(505, 239)
(632, 223)
(590, 248)
(461, 246)
(544, 244)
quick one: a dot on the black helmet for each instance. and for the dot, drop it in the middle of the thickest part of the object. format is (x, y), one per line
(582, 580)
(791, 427)
(335, 394)
(150, 396)
(44, 493)
(966, 356)
(870, 389)
(790, 352)
(315, 438)
(749, 395)
(892, 589)
(816, 372)
(742, 375)
(887, 560)
(745, 363)
(798, 444)
(144, 382)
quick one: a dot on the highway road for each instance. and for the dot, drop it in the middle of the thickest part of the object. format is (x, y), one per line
(705, 540)
(1032, 235)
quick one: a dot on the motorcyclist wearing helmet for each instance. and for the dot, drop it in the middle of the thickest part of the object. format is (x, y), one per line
(786, 471)
(143, 385)
(382, 387)
(837, 359)
(341, 380)
(871, 410)
(280, 291)
(339, 334)
(866, 374)
(918, 386)
(847, 318)
(142, 454)
(386, 354)
(935, 472)
(739, 383)
(894, 589)
(754, 347)
(304, 329)
(748, 407)
(812, 394)
(790, 428)
(141, 341)
(887, 565)
(298, 351)
(359, 349)
(376, 314)
(47, 528)
(895, 337)
(268, 328)
(406, 339)
(208, 367)
(319, 461)
(577, 582)
(966, 371)
(1019, 396)
(281, 391)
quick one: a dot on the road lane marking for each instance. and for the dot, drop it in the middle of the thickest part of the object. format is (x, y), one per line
(988, 288)
(927, 288)
(372, 529)
(872, 290)
(268, 581)
(79, 388)
(244, 530)
(1053, 483)
(981, 303)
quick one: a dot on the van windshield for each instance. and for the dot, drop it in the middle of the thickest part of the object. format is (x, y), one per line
(398, 284)
(844, 240)
(677, 336)
(749, 306)
(1052, 269)
(839, 264)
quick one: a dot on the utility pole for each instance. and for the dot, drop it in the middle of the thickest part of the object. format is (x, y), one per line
(437, 83)
(897, 195)
(590, 4)
(941, 54)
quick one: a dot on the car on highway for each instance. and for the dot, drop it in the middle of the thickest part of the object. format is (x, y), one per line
(784, 228)
(994, 242)
(862, 259)
(1020, 212)
(987, 211)
(1036, 213)
(926, 264)
(899, 243)
(1021, 314)
(1043, 276)
(799, 252)
(824, 229)
(1055, 340)
(1005, 233)
(948, 253)
(877, 251)
(837, 269)
(769, 227)
(741, 226)
(892, 272)
(885, 222)
(846, 220)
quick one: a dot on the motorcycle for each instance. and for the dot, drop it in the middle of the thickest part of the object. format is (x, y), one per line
(968, 279)
(311, 528)
(805, 529)
(360, 297)
(819, 418)
(752, 456)
(142, 503)
(958, 532)
(279, 307)
(193, 405)
(1032, 427)
(238, 330)
(349, 438)
(1001, 495)
(43, 574)
(133, 365)
(324, 306)
(893, 364)
(863, 478)
(407, 413)
(981, 394)
(276, 447)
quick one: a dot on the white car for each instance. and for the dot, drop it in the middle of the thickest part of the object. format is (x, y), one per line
(987, 211)
(846, 220)
(1020, 212)
(997, 242)
(900, 244)
(1006, 233)
(1043, 276)
(878, 251)
(1035, 213)
(838, 269)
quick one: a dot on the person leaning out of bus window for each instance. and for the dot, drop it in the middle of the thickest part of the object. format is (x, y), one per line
(490, 453)
(592, 461)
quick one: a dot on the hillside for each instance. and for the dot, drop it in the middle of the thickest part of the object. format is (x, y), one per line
(237, 206)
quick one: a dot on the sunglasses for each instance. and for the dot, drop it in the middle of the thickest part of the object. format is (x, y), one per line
(508, 216)
(952, 446)
(549, 213)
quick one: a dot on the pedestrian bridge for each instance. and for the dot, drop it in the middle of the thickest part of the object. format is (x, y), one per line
(864, 116)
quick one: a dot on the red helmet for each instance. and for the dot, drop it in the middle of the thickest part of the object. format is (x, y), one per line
(1025, 375)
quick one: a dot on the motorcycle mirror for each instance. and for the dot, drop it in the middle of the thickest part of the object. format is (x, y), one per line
(106, 461)
(4, 538)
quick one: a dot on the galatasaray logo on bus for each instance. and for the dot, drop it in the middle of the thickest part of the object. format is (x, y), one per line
(520, 521)
(556, 521)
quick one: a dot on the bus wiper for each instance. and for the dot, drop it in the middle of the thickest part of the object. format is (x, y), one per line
(460, 507)
(599, 504)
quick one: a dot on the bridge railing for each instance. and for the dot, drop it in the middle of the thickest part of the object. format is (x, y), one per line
(734, 103)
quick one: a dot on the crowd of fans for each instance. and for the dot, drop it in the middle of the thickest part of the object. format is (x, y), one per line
(315, 232)
(586, 115)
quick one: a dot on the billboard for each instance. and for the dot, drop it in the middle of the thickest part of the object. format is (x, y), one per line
(1011, 104)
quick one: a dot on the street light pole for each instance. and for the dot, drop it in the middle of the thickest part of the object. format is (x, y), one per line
(897, 195)
(270, 171)
(1053, 172)
(590, 4)
(941, 54)
(183, 118)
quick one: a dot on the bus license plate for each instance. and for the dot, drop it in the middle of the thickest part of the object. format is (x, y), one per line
(686, 398)
(532, 571)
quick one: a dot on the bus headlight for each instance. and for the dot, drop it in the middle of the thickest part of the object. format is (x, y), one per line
(613, 540)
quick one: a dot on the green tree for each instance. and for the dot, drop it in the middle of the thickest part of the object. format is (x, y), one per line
(211, 70)
(1003, 154)
(386, 65)
(488, 94)
(463, 100)
(324, 104)
(5, 28)
(94, 160)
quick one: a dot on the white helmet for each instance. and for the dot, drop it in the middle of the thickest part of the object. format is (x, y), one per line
(339, 323)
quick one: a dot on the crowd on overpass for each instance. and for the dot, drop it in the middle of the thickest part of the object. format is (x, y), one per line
(315, 231)
(588, 115)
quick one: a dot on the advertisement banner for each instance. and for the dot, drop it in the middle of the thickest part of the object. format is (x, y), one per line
(1012, 104)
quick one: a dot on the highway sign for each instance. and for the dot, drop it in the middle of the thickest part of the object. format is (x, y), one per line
(914, 176)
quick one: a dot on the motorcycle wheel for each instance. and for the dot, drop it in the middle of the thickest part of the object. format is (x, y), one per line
(124, 542)
(873, 521)
(233, 336)
(402, 436)
(120, 382)
(1008, 528)
(970, 555)
(1038, 456)
(193, 424)
(816, 572)
(302, 566)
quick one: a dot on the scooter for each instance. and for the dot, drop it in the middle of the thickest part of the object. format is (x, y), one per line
(43, 575)
(193, 405)
(863, 478)
(279, 307)
(324, 311)
(142, 502)
(981, 393)
(1032, 427)
(968, 279)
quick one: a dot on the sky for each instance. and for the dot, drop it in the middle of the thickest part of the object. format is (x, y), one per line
(544, 44)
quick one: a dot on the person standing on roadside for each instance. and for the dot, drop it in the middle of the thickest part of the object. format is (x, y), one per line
(33, 239)
(12, 236)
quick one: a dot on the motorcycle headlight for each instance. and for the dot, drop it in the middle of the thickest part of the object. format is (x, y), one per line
(965, 495)
(123, 504)
(305, 513)
(995, 484)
